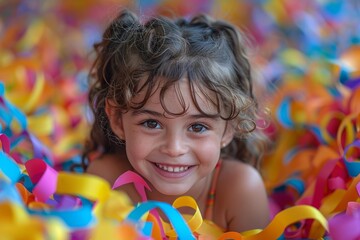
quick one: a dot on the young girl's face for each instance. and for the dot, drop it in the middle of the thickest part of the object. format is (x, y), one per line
(173, 152)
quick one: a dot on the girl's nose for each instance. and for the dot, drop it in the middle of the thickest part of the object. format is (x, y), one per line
(174, 145)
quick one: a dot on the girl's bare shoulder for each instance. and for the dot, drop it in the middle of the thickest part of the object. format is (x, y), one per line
(244, 195)
(235, 170)
(108, 166)
(237, 178)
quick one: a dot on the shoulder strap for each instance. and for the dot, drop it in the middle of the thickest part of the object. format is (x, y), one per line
(211, 194)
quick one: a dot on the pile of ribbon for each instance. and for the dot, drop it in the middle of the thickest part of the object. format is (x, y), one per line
(309, 55)
(314, 161)
(49, 204)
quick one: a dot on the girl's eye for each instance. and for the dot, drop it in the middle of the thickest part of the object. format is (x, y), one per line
(198, 128)
(151, 124)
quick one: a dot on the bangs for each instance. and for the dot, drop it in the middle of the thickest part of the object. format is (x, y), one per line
(208, 80)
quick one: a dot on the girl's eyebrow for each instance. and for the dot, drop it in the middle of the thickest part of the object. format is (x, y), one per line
(157, 114)
(136, 112)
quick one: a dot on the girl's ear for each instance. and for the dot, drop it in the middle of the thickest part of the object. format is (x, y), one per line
(115, 119)
(227, 136)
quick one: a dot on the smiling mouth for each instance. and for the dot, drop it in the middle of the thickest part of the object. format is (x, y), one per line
(172, 169)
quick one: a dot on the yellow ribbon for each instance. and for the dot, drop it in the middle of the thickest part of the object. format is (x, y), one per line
(287, 217)
(15, 223)
(89, 186)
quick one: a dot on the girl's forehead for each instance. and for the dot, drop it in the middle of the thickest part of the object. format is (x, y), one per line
(179, 95)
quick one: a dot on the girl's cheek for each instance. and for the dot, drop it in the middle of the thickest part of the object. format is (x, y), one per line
(139, 146)
(209, 148)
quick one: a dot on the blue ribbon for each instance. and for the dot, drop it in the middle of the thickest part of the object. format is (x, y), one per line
(172, 214)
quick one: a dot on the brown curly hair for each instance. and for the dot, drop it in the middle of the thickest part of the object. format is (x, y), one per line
(211, 54)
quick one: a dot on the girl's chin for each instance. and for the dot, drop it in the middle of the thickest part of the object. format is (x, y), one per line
(172, 192)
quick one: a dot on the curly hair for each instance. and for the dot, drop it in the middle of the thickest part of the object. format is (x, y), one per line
(211, 54)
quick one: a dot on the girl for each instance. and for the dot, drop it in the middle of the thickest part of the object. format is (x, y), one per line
(172, 101)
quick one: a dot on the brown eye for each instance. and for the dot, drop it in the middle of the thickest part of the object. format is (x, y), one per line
(151, 124)
(198, 128)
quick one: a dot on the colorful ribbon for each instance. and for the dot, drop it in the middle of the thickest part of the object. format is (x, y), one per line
(309, 56)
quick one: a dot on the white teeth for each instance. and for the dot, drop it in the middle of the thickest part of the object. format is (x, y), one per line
(172, 169)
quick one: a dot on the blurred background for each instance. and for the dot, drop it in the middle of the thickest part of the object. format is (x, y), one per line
(306, 52)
